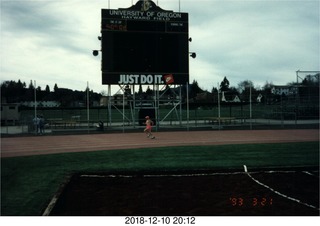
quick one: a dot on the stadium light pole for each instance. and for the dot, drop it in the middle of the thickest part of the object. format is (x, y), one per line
(218, 104)
(35, 106)
(188, 114)
(250, 108)
(193, 55)
(88, 110)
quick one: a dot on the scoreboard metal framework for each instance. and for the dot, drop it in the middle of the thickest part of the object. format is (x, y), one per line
(144, 44)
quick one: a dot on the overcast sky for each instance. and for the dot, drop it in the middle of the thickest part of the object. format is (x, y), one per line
(51, 41)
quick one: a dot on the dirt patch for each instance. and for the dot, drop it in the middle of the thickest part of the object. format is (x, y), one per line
(191, 194)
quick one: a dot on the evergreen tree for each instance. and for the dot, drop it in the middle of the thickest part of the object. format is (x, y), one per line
(194, 89)
(224, 85)
(47, 89)
(31, 86)
(149, 92)
(55, 88)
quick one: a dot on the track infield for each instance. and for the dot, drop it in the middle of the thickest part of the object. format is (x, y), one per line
(41, 145)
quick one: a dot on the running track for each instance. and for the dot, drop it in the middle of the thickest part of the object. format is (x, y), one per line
(41, 145)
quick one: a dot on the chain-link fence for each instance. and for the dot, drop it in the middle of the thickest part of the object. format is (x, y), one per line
(225, 116)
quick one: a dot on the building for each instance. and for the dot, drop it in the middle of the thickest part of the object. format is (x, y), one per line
(46, 104)
(10, 113)
(284, 90)
(116, 99)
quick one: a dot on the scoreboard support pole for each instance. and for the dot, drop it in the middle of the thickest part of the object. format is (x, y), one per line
(156, 104)
(109, 105)
(180, 97)
(133, 112)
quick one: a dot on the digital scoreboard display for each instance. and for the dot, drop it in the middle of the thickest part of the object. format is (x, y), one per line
(144, 44)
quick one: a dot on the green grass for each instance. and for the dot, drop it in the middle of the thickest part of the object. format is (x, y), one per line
(28, 183)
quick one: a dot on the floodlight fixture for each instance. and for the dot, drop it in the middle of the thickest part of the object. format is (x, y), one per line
(95, 52)
(193, 54)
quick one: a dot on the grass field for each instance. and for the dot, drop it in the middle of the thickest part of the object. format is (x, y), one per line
(28, 183)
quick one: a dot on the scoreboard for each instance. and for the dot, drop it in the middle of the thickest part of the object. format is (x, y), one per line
(144, 44)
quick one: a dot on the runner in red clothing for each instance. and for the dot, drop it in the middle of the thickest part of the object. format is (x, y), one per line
(147, 130)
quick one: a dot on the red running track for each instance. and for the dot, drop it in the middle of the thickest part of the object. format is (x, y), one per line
(41, 145)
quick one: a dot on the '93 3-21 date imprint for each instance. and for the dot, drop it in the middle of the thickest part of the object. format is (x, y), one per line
(255, 201)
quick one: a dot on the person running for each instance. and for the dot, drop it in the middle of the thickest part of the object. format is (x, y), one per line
(147, 130)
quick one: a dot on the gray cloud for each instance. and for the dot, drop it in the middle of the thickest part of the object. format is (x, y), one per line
(258, 40)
